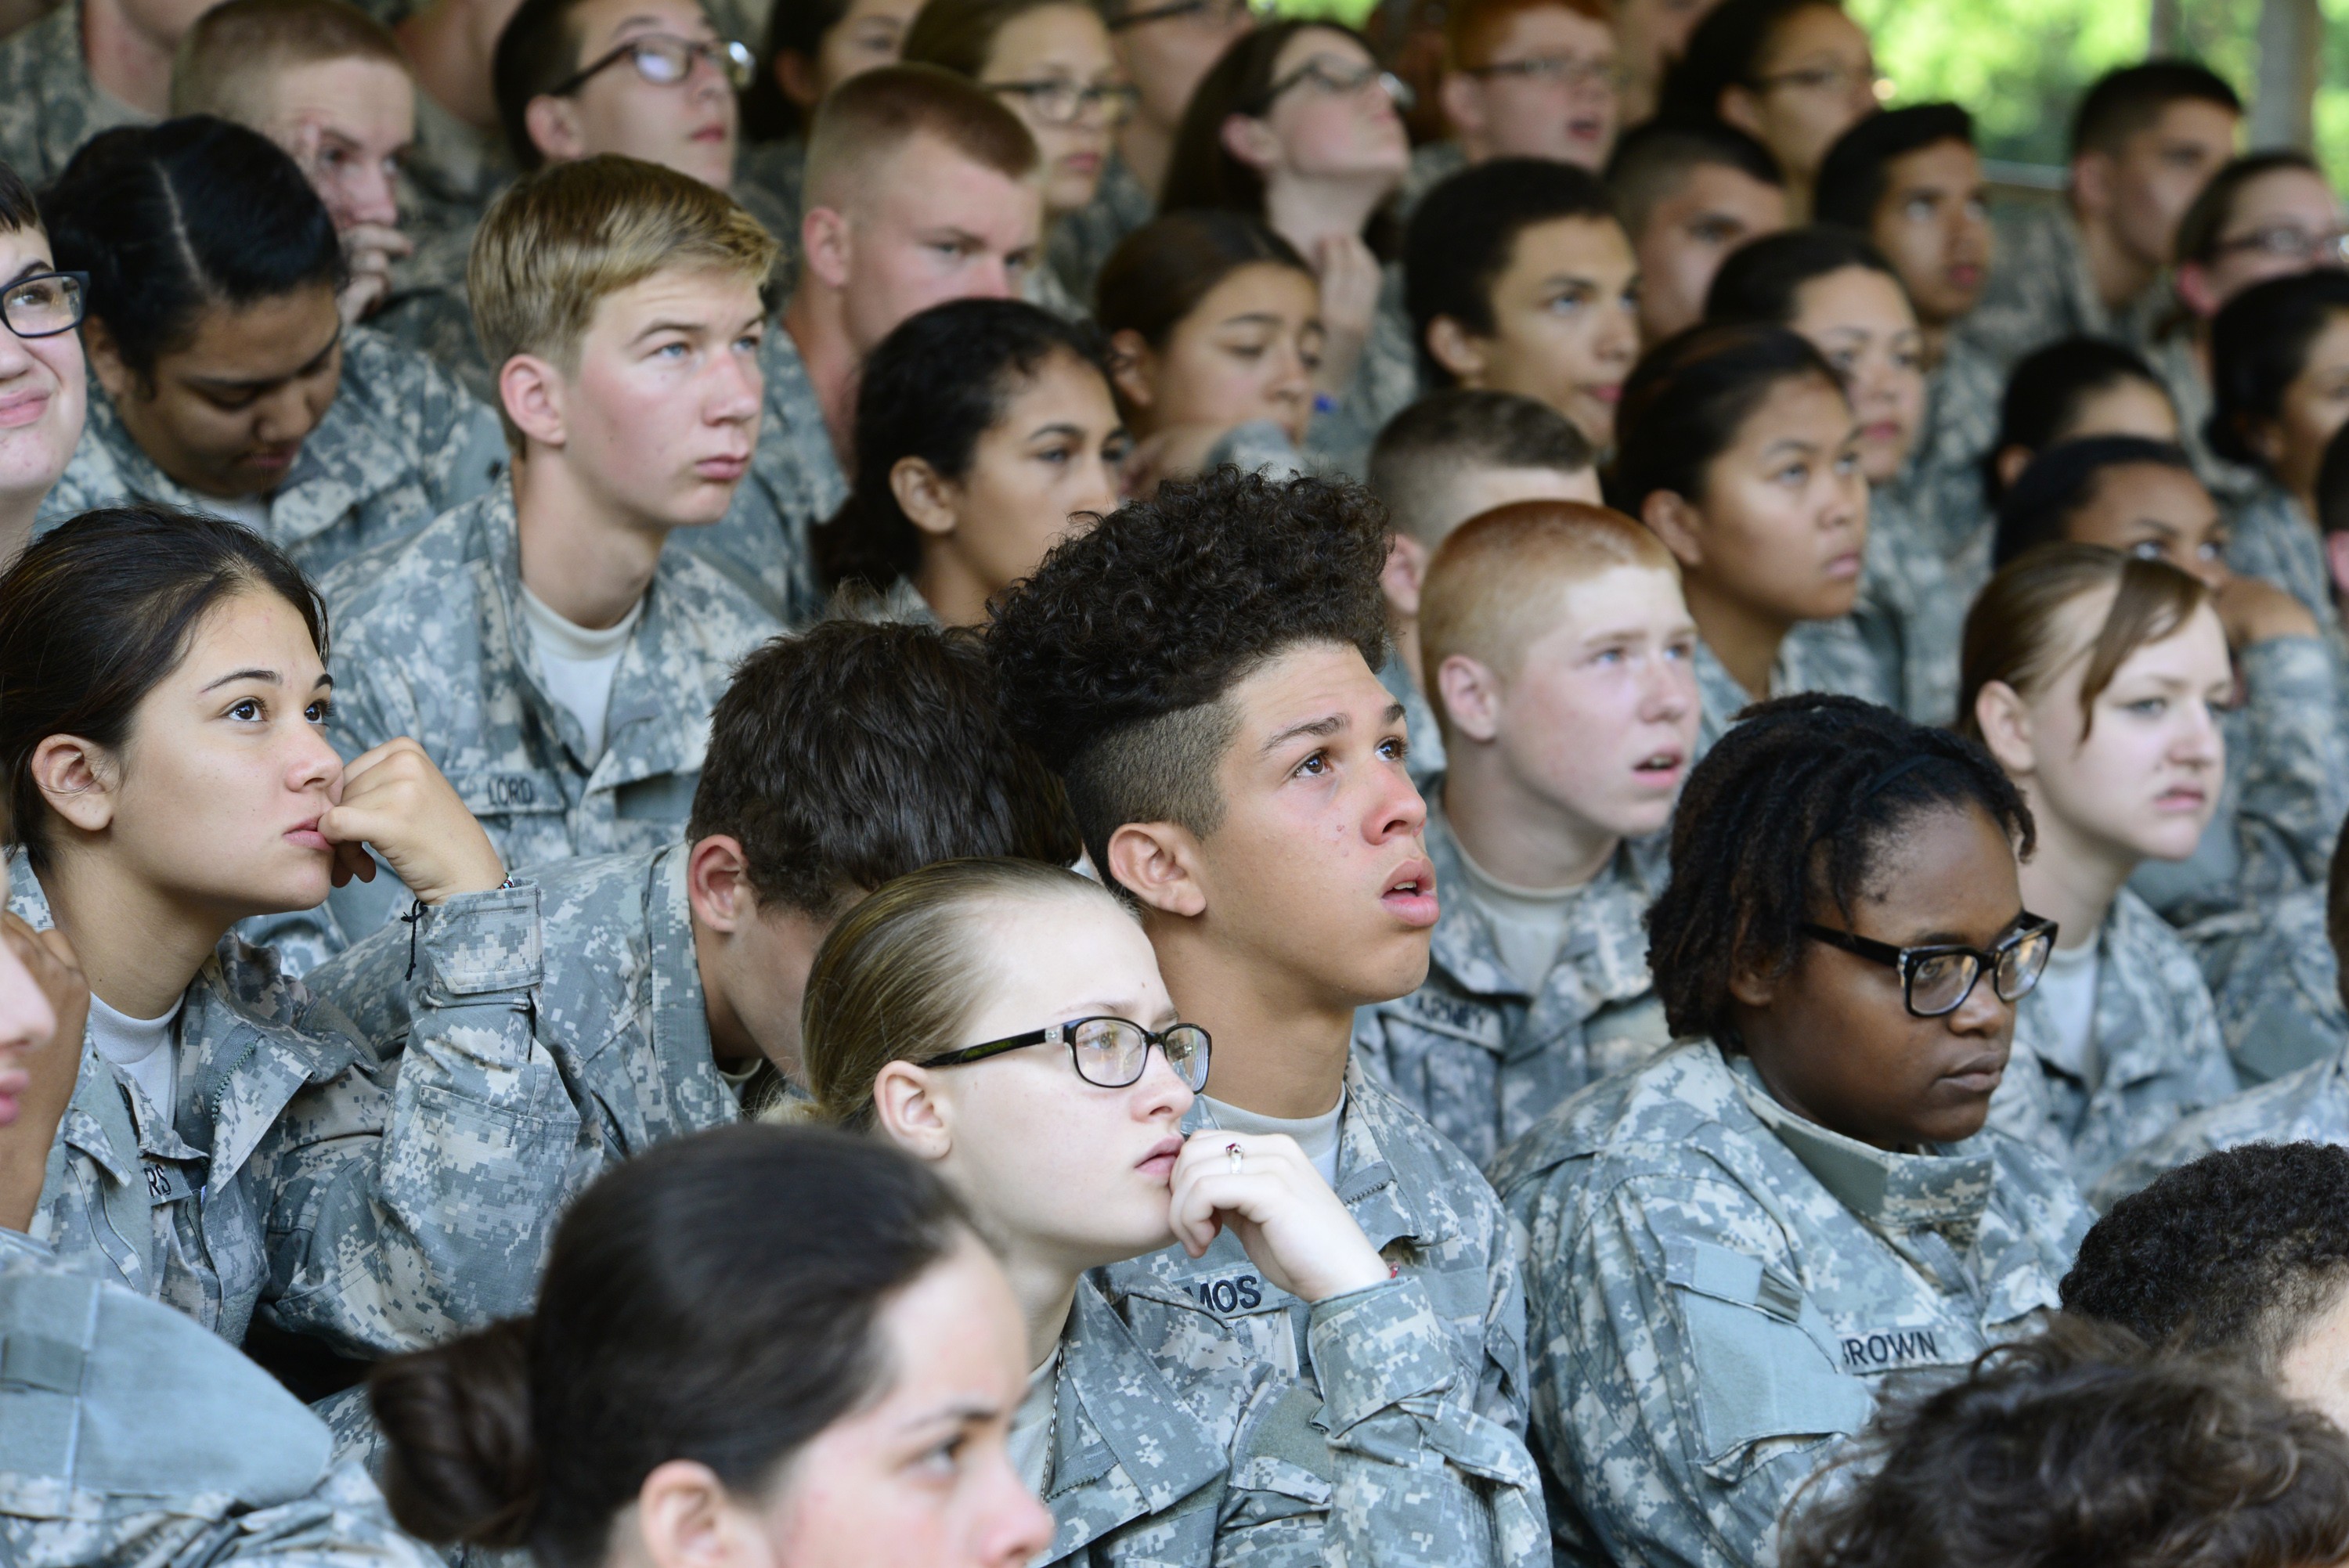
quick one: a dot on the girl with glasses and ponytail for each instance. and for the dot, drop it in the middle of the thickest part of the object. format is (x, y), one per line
(1004, 1023)
(1734, 1250)
(2095, 679)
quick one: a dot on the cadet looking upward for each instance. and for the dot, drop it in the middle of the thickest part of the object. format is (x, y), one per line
(1524, 78)
(1736, 1246)
(42, 379)
(921, 189)
(1740, 450)
(985, 431)
(1447, 458)
(1687, 196)
(1237, 768)
(164, 694)
(1791, 73)
(2092, 677)
(1558, 648)
(566, 679)
(1069, 1158)
(226, 381)
(828, 1388)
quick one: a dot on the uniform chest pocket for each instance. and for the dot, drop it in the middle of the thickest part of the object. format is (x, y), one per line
(666, 799)
(1757, 1363)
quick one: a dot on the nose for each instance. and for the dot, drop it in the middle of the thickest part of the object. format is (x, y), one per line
(1847, 503)
(1161, 1091)
(1397, 810)
(2200, 742)
(1292, 380)
(27, 1022)
(1984, 1012)
(992, 279)
(736, 385)
(311, 763)
(1098, 493)
(1013, 1527)
(1619, 342)
(14, 357)
(1669, 691)
(374, 199)
(292, 412)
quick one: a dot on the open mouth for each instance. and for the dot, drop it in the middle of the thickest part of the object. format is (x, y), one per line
(1661, 767)
(1410, 896)
(1160, 1161)
(2183, 797)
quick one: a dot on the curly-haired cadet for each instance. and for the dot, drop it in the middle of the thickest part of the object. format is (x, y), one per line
(1734, 1248)
(1201, 667)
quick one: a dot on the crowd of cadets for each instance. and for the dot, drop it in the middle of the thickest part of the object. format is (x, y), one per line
(763, 800)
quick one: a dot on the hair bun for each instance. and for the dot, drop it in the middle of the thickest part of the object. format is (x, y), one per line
(462, 1463)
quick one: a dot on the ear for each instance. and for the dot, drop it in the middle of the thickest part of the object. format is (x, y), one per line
(1450, 344)
(1472, 697)
(76, 778)
(1464, 103)
(2006, 726)
(1670, 518)
(1742, 107)
(685, 1519)
(2336, 558)
(553, 127)
(718, 883)
(1158, 862)
(1401, 577)
(1752, 990)
(2011, 461)
(796, 73)
(2092, 183)
(105, 358)
(917, 1118)
(532, 392)
(1132, 368)
(2193, 285)
(930, 502)
(825, 246)
(1251, 141)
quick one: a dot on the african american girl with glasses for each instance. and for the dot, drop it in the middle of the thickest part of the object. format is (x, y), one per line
(1736, 1248)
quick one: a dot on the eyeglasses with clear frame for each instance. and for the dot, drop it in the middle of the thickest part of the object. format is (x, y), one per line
(1936, 980)
(45, 305)
(665, 60)
(1056, 101)
(2290, 242)
(1108, 1052)
(1339, 81)
(1556, 70)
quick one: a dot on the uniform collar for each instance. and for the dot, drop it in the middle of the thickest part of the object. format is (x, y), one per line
(1891, 1190)
(698, 1094)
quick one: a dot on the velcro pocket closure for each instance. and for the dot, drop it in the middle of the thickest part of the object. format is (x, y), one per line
(1760, 1363)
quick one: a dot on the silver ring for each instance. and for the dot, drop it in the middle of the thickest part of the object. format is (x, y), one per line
(1232, 1152)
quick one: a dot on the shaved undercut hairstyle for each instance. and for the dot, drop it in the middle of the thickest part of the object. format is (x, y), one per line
(230, 60)
(873, 114)
(1118, 657)
(1653, 161)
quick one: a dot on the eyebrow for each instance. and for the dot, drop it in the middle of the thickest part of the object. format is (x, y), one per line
(266, 677)
(1796, 444)
(32, 269)
(1253, 318)
(224, 383)
(958, 1414)
(1059, 428)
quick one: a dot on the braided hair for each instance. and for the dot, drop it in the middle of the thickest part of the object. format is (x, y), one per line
(1793, 808)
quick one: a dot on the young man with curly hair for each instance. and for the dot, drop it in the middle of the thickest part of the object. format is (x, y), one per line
(1201, 668)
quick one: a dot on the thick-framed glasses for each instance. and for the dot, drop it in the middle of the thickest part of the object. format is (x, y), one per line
(1207, 15)
(1107, 1052)
(1066, 102)
(2290, 242)
(1339, 81)
(1834, 78)
(1556, 71)
(43, 305)
(1937, 980)
(665, 60)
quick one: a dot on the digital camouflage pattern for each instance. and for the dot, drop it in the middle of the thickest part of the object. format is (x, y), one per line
(1457, 1486)
(777, 171)
(270, 1185)
(1938, 493)
(2173, 361)
(1817, 655)
(795, 483)
(1482, 1058)
(1432, 163)
(2156, 1045)
(112, 1412)
(1719, 1292)
(2275, 984)
(1081, 241)
(401, 443)
(1386, 382)
(1909, 615)
(430, 643)
(2041, 290)
(48, 104)
(2310, 1106)
(2273, 537)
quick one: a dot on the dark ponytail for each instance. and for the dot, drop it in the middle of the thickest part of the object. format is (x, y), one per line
(714, 1299)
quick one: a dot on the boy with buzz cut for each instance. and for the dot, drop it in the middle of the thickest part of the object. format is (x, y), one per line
(1200, 668)
(1558, 648)
(1438, 463)
(544, 646)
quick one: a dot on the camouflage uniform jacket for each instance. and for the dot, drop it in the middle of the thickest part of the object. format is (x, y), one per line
(1081, 241)
(2273, 537)
(268, 1185)
(2157, 1040)
(1719, 1290)
(2174, 361)
(400, 444)
(778, 172)
(1214, 1322)
(795, 483)
(1432, 163)
(112, 1412)
(1817, 655)
(48, 104)
(449, 178)
(1938, 493)
(1909, 613)
(430, 642)
(1386, 381)
(1482, 1058)
(2285, 789)
(2310, 1106)
(2275, 983)
(2041, 290)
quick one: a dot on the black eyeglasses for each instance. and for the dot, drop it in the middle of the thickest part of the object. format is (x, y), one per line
(43, 305)
(1107, 1052)
(1207, 15)
(1936, 981)
(665, 60)
(1066, 102)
